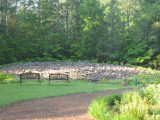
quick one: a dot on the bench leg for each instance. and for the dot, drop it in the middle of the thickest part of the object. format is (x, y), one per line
(20, 81)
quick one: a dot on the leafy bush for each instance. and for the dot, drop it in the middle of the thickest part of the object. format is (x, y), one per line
(100, 108)
(133, 104)
(124, 116)
(40, 59)
(137, 105)
(112, 98)
(5, 77)
(152, 92)
(94, 61)
(152, 117)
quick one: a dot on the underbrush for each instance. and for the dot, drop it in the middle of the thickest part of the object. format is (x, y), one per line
(101, 108)
(5, 78)
(136, 105)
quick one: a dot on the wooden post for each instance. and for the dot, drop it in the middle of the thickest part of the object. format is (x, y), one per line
(49, 79)
(20, 80)
(124, 81)
(39, 79)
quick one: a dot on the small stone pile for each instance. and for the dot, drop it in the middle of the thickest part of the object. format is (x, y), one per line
(75, 70)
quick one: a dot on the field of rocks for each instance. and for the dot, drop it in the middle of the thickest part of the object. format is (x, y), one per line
(75, 70)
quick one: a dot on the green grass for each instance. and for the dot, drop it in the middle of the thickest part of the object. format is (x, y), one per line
(12, 91)
(145, 78)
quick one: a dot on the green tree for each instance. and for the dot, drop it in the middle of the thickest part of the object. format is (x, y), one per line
(115, 30)
(92, 28)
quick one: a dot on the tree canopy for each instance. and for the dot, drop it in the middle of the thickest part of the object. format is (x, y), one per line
(110, 31)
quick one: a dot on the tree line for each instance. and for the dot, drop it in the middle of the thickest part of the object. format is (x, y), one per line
(110, 31)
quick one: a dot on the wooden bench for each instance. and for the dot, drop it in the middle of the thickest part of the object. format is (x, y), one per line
(58, 77)
(30, 76)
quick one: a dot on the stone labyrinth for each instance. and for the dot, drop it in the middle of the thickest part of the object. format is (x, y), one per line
(75, 70)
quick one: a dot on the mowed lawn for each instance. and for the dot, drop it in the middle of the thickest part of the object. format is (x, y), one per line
(14, 92)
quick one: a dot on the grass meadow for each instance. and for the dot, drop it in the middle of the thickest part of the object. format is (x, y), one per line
(13, 91)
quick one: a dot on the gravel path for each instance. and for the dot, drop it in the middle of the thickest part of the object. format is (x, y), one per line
(71, 107)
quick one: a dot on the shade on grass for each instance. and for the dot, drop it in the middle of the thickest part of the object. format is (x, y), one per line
(14, 92)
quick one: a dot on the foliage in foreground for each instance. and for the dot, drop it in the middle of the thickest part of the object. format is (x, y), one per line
(5, 77)
(136, 105)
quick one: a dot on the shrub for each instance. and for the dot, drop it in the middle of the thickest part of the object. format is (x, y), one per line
(124, 116)
(137, 105)
(129, 97)
(5, 77)
(94, 61)
(152, 92)
(112, 98)
(116, 63)
(40, 59)
(152, 117)
(132, 103)
(100, 108)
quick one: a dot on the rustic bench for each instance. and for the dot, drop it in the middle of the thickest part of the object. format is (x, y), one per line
(29, 76)
(58, 77)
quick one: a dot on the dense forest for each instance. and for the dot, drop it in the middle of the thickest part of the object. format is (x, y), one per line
(110, 31)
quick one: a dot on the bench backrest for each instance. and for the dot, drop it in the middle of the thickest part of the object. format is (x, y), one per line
(29, 76)
(58, 76)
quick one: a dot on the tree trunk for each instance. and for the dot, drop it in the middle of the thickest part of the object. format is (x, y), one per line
(39, 12)
(58, 18)
(16, 10)
(6, 11)
(24, 10)
(71, 18)
(128, 20)
(128, 15)
(1, 13)
(67, 17)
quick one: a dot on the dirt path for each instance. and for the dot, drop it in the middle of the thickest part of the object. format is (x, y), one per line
(71, 107)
